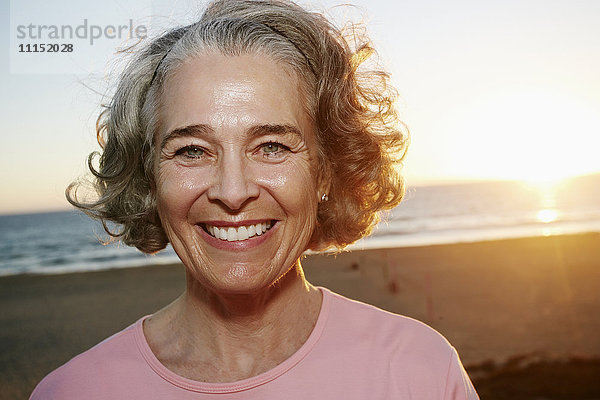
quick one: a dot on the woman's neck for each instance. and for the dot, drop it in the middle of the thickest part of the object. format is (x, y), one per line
(224, 338)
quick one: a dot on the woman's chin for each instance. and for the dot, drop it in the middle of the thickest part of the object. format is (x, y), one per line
(236, 279)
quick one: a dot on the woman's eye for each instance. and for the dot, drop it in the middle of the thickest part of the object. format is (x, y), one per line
(191, 151)
(270, 148)
(273, 150)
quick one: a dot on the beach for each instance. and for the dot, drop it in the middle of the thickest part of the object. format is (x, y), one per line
(495, 301)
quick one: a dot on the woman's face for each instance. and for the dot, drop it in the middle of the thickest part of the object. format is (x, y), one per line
(237, 188)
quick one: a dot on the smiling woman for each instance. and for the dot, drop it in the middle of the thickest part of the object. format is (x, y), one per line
(244, 156)
(244, 140)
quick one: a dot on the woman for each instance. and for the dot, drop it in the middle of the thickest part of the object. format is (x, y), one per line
(244, 140)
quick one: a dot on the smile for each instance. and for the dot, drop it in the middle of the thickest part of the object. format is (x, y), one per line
(237, 233)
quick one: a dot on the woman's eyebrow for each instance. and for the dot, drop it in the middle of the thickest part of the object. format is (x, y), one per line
(254, 132)
(187, 131)
(276, 129)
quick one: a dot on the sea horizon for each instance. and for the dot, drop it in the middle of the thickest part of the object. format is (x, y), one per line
(66, 241)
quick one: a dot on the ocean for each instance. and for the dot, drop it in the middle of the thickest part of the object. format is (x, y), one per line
(68, 241)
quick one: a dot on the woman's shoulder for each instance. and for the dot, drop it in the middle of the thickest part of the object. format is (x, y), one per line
(92, 368)
(413, 355)
(360, 321)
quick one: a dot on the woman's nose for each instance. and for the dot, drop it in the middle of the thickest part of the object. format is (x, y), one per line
(233, 185)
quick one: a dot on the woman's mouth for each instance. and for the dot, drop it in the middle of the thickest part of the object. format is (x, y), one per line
(237, 233)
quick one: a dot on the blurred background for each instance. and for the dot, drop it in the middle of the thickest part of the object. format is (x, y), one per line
(495, 245)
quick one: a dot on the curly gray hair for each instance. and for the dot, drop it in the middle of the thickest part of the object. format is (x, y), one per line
(361, 141)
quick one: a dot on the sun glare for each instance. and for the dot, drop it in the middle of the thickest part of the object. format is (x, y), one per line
(547, 216)
(547, 191)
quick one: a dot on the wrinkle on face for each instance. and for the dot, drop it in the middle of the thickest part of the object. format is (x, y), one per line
(233, 93)
(232, 97)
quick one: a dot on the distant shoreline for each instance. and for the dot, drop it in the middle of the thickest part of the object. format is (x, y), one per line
(68, 241)
(376, 243)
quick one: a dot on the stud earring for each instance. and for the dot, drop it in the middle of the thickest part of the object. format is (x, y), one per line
(324, 197)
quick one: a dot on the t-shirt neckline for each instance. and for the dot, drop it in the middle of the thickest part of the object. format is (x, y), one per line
(237, 386)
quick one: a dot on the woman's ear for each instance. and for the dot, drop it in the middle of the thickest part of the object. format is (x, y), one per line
(324, 181)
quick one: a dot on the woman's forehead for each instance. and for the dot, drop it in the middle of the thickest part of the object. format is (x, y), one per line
(231, 91)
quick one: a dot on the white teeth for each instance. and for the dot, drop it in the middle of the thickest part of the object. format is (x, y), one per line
(232, 234)
(221, 233)
(242, 233)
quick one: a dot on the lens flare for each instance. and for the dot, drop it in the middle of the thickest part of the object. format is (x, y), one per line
(547, 216)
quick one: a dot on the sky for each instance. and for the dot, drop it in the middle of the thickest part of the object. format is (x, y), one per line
(502, 89)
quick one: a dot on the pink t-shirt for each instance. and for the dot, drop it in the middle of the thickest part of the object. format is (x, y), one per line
(356, 351)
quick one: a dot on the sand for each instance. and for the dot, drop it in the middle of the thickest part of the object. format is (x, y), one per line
(492, 300)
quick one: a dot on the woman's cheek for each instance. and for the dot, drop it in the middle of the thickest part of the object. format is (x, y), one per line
(286, 175)
(274, 180)
(293, 184)
(179, 188)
